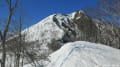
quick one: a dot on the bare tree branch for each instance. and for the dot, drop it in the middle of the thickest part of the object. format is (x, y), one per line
(1, 35)
(15, 6)
(5, 31)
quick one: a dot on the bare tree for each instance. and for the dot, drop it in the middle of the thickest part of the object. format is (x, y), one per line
(3, 33)
(110, 6)
(18, 40)
(19, 43)
(111, 10)
(106, 10)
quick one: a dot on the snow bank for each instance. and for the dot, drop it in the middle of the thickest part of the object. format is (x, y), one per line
(85, 54)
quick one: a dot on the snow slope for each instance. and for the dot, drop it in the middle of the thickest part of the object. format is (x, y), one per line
(57, 27)
(85, 54)
(53, 25)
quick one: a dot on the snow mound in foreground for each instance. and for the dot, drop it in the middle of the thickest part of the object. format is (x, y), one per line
(85, 54)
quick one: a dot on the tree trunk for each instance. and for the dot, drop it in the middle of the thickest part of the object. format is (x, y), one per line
(4, 40)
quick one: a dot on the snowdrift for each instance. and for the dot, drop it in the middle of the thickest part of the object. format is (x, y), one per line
(85, 54)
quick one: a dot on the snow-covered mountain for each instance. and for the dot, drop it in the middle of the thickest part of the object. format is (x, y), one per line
(52, 32)
(62, 28)
(56, 30)
(53, 25)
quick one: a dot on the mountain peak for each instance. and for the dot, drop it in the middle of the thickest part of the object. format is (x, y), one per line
(77, 14)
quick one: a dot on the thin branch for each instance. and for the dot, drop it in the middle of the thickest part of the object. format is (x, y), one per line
(9, 4)
(15, 6)
(10, 16)
(1, 35)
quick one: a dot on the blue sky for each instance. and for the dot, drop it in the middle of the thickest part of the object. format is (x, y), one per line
(36, 10)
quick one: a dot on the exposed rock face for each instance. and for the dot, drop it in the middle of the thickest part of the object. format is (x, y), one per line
(97, 31)
(88, 29)
(108, 34)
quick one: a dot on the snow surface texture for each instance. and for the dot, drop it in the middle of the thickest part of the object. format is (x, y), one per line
(85, 54)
